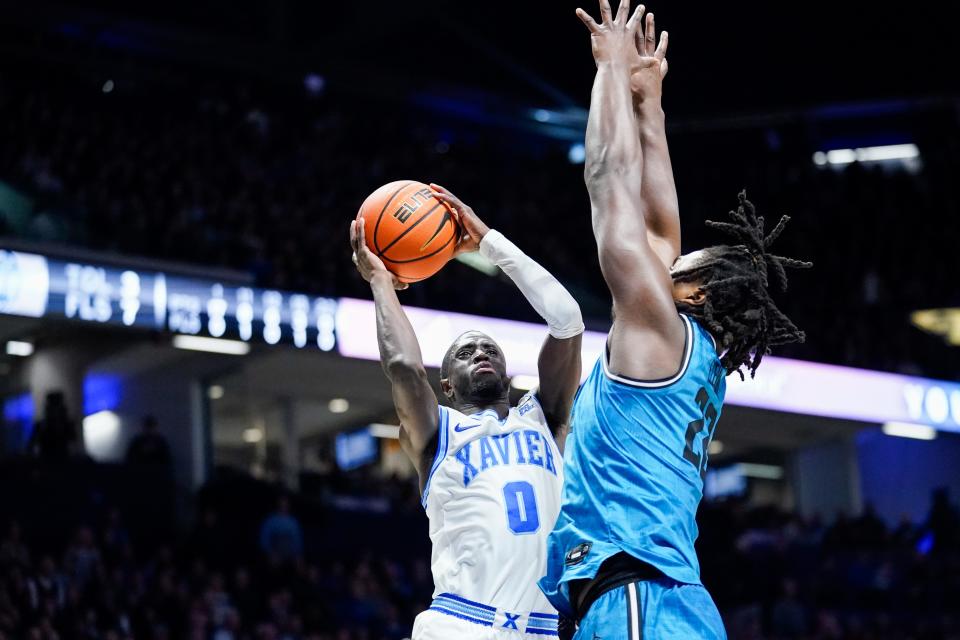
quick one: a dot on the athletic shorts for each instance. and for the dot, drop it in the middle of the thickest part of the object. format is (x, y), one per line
(659, 609)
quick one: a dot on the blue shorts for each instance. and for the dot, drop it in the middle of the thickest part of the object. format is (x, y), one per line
(661, 609)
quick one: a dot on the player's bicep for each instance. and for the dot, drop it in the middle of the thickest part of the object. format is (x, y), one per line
(417, 407)
(635, 273)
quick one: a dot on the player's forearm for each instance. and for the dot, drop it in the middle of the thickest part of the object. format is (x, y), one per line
(658, 191)
(399, 348)
(612, 140)
(544, 292)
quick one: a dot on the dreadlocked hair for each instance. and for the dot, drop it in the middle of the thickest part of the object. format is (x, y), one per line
(738, 309)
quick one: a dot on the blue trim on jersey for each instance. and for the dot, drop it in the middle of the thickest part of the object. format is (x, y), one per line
(660, 383)
(543, 624)
(443, 442)
(464, 609)
(470, 603)
(545, 616)
(460, 615)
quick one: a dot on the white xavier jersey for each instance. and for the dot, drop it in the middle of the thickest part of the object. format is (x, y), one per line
(492, 498)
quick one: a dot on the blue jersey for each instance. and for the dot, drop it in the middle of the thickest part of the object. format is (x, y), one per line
(634, 463)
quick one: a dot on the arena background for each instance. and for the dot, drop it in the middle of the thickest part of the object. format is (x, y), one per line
(171, 172)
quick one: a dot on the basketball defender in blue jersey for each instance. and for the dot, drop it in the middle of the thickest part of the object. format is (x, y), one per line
(621, 562)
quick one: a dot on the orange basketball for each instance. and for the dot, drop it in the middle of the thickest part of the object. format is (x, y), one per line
(413, 232)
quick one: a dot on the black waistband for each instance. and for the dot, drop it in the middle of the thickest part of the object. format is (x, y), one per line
(615, 571)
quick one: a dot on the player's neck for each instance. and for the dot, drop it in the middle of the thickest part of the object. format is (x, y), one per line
(501, 406)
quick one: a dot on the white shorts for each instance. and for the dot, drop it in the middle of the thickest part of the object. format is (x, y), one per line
(434, 625)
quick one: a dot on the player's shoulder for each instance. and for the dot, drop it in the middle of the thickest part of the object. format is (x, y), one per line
(451, 416)
(529, 402)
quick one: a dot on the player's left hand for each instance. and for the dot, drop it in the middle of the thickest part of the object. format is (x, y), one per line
(649, 65)
(473, 227)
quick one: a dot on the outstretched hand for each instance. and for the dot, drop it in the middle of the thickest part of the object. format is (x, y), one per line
(614, 39)
(649, 64)
(473, 227)
(368, 264)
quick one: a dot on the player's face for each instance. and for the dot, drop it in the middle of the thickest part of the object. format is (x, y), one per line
(478, 370)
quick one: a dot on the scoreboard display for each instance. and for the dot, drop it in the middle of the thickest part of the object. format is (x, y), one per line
(38, 286)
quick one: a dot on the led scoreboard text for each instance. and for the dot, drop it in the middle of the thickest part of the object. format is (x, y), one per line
(38, 286)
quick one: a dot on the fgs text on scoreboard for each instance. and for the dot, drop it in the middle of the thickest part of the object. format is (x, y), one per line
(39, 286)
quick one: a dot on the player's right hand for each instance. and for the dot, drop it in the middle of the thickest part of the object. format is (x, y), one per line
(473, 227)
(648, 65)
(368, 264)
(614, 39)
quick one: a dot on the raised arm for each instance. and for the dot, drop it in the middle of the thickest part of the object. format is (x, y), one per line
(659, 192)
(400, 357)
(559, 365)
(647, 335)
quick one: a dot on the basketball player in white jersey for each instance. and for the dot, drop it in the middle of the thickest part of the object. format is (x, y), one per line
(490, 474)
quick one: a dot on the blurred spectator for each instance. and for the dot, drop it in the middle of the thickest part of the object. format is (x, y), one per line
(55, 435)
(149, 448)
(944, 521)
(281, 537)
(208, 540)
(48, 588)
(788, 618)
(13, 552)
(83, 559)
(116, 538)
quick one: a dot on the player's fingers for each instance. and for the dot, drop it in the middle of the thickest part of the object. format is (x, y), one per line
(353, 236)
(634, 23)
(444, 198)
(605, 13)
(444, 195)
(650, 37)
(664, 67)
(456, 215)
(588, 20)
(661, 52)
(361, 236)
(622, 11)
